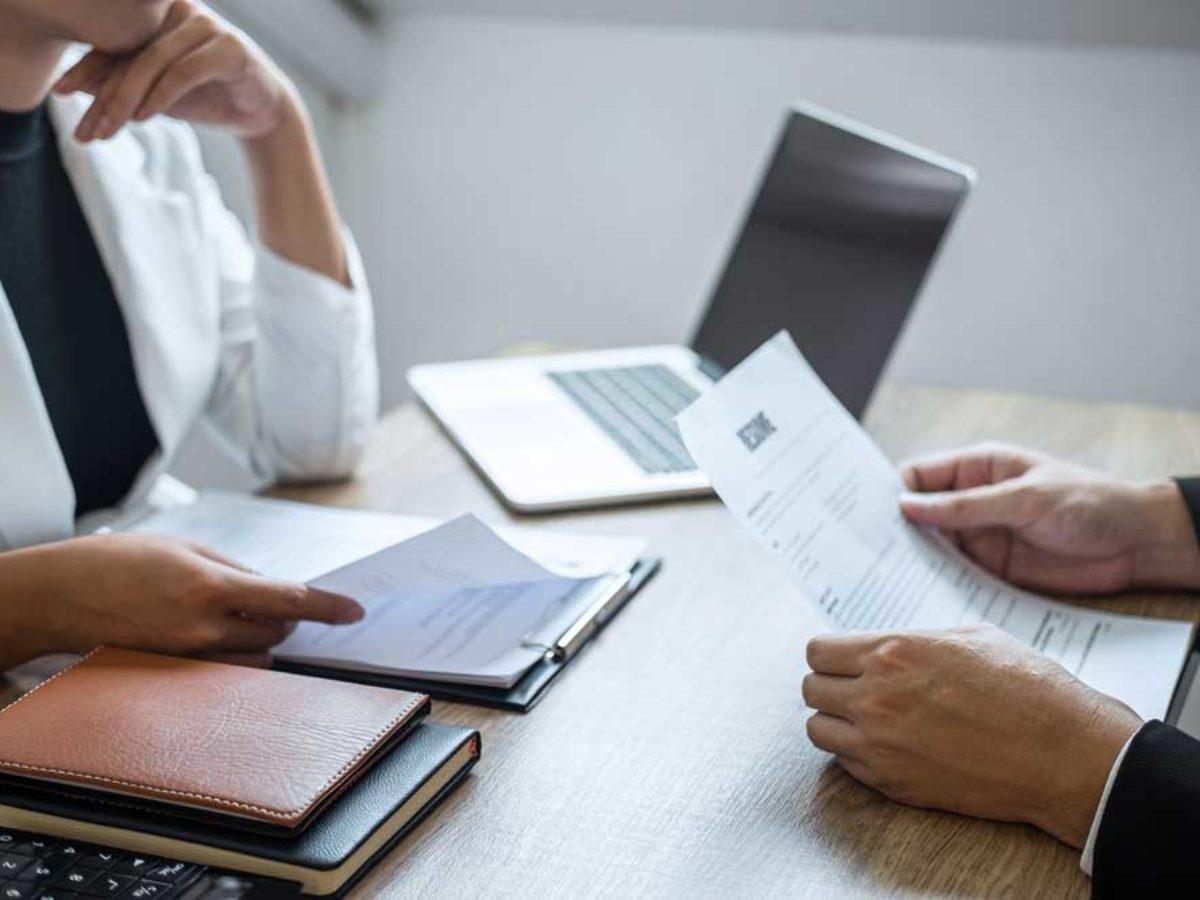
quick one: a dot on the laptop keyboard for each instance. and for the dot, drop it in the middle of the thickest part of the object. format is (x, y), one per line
(636, 406)
(33, 867)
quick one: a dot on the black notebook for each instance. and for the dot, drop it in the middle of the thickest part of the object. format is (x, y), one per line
(326, 858)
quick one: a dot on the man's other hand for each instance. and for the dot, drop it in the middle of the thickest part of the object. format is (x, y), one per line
(970, 721)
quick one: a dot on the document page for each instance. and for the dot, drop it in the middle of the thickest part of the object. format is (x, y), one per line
(801, 474)
(300, 541)
(453, 602)
(295, 541)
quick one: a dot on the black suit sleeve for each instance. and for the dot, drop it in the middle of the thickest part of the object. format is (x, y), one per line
(1190, 488)
(1149, 838)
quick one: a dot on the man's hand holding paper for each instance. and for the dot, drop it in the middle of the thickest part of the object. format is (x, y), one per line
(922, 695)
(804, 477)
(1049, 525)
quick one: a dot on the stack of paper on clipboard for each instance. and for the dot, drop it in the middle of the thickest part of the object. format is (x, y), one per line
(455, 609)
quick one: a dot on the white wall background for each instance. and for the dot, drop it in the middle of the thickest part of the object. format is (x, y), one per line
(578, 182)
(1174, 23)
(574, 172)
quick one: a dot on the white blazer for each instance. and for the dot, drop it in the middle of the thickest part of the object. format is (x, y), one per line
(277, 360)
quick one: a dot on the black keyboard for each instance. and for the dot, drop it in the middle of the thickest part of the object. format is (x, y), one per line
(33, 867)
(637, 407)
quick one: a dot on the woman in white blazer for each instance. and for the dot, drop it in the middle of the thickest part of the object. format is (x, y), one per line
(269, 342)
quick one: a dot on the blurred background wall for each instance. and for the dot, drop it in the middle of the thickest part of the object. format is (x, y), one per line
(573, 172)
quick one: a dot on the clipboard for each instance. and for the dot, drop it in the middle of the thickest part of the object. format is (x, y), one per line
(532, 687)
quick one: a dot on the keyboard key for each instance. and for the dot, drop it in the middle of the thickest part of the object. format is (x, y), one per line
(73, 851)
(610, 417)
(170, 872)
(145, 890)
(74, 878)
(653, 419)
(30, 845)
(19, 890)
(636, 406)
(11, 865)
(108, 885)
(101, 858)
(43, 871)
(135, 865)
(50, 869)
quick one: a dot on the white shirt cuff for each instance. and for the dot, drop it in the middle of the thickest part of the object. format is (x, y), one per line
(1089, 849)
(308, 306)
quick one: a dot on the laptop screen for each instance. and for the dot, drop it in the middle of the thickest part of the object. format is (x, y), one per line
(834, 250)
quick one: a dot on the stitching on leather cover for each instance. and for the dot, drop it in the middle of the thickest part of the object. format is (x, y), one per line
(62, 671)
(417, 700)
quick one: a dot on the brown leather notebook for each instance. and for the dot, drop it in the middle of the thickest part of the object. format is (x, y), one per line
(249, 747)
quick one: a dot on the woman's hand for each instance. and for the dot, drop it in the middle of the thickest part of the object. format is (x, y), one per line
(201, 69)
(148, 593)
(1050, 525)
(971, 721)
(197, 68)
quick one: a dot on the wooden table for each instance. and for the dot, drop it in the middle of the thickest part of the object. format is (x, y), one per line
(672, 759)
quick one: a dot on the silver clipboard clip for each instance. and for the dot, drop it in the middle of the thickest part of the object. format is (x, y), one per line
(608, 600)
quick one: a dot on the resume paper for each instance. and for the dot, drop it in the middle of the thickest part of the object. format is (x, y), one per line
(801, 474)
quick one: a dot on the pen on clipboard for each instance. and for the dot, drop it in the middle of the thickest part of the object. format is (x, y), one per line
(608, 600)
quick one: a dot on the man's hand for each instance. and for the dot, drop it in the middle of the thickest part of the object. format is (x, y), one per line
(1050, 525)
(970, 721)
(197, 68)
(148, 593)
